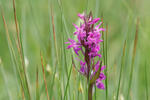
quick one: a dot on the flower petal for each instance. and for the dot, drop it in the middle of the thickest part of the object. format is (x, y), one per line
(83, 68)
(94, 21)
(102, 76)
(75, 26)
(101, 29)
(81, 16)
(98, 25)
(103, 67)
(100, 85)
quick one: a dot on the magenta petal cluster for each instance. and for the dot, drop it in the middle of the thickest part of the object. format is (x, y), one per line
(101, 77)
(88, 43)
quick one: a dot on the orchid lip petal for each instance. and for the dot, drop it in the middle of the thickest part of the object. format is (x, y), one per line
(100, 85)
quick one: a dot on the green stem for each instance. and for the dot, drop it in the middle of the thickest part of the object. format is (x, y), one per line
(90, 92)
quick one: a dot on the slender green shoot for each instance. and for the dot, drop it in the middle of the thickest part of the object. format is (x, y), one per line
(37, 85)
(121, 69)
(20, 50)
(146, 82)
(133, 58)
(13, 55)
(44, 77)
(105, 61)
(5, 80)
(68, 82)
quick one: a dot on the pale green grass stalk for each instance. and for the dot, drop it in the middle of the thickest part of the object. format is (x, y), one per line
(96, 8)
(23, 64)
(63, 44)
(121, 69)
(104, 52)
(96, 15)
(20, 50)
(66, 88)
(54, 33)
(5, 81)
(44, 77)
(65, 65)
(17, 72)
(133, 59)
(65, 61)
(106, 71)
(56, 49)
(37, 84)
(52, 83)
(95, 92)
(63, 18)
(146, 82)
(23, 98)
(64, 25)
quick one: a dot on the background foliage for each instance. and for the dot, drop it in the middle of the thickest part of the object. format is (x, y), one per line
(45, 25)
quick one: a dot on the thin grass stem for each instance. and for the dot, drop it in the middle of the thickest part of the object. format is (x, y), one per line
(121, 69)
(133, 59)
(44, 77)
(5, 81)
(146, 82)
(68, 82)
(20, 50)
(37, 85)
(13, 55)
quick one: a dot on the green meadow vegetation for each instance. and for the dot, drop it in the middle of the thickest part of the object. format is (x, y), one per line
(34, 61)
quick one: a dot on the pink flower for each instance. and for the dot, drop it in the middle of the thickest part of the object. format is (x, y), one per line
(88, 42)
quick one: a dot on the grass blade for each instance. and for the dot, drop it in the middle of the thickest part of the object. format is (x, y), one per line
(5, 80)
(133, 58)
(54, 34)
(37, 85)
(44, 76)
(63, 18)
(13, 56)
(105, 56)
(52, 84)
(96, 8)
(65, 61)
(20, 50)
(146, 82)
(68, 82)
(121, 69)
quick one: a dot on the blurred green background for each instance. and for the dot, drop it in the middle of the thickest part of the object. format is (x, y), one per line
(35, 20)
